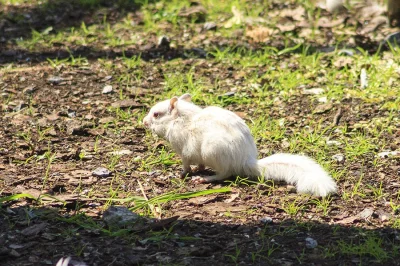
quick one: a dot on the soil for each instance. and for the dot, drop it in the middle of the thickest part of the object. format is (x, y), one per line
(60, 114)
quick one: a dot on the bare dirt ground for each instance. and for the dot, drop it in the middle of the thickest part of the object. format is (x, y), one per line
(58, 127)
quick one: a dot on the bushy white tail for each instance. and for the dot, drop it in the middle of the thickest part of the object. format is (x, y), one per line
(302, 171)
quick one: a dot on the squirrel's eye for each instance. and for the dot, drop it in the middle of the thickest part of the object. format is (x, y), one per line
(156, 114)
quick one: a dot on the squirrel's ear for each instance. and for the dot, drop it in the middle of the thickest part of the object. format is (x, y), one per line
(186, 97)
(172, 104)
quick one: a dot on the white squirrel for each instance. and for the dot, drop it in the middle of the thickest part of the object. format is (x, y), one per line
(221, 140)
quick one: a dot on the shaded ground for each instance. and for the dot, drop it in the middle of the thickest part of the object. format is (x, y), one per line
(59, 126)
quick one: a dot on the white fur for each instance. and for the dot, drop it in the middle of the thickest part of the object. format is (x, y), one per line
(221, 140)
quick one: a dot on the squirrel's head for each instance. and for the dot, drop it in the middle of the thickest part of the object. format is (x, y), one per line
(164, 112)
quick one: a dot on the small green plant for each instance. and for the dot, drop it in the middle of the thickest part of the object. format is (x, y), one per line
(370, 246)
(293, 207)
(235, 257)
(323, 204)
(377, 191)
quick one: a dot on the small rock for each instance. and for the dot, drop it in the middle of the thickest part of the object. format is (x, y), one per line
(34, 229)
(322, 99)
(163, 42)
(107, 89)
(121, 152)
(323, 108)
(266, 220)
(386, 154)
(101, 172)
(333, 143)
(313, 91)
(119, 216)
(311, 243)
(55, 80)
(338, 157)
(366, 213)
(210, 26)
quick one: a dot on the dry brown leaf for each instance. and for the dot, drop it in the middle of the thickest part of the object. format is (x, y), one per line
(223, 207)
(349, 220)
(34, 229)
(201, 200)
(323, 108)
(259, 34)
(297, 14)
(232, 197)
(325, 22)
(374, 24)
(20, 119)
(289, 26)
(343, 61)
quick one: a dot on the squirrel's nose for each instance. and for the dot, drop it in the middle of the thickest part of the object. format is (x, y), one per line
(145, 123)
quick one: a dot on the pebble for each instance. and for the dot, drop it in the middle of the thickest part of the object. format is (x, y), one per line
(266, 220)
(311, 243)
(366, 213)
(323, 108)
(101, 172)
(107, 89)
(386, 154)
(121, 152)
(119, 216)
(210, 26)
(338, 157)
(55, 80)
(333, 143)
(313, 91)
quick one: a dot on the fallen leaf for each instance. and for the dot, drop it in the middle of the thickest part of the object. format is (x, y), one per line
(323, 108)
(259, 34)
(126, 104)
(201, 200)
(34, 229)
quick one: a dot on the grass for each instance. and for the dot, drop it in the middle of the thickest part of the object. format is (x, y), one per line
(268, 82)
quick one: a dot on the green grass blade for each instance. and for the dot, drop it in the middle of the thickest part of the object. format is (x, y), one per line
(16, 197)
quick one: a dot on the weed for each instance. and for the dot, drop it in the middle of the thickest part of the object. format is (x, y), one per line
(371, 246)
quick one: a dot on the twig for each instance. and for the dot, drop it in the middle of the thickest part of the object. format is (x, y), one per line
(338, 115)
(153, 210)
